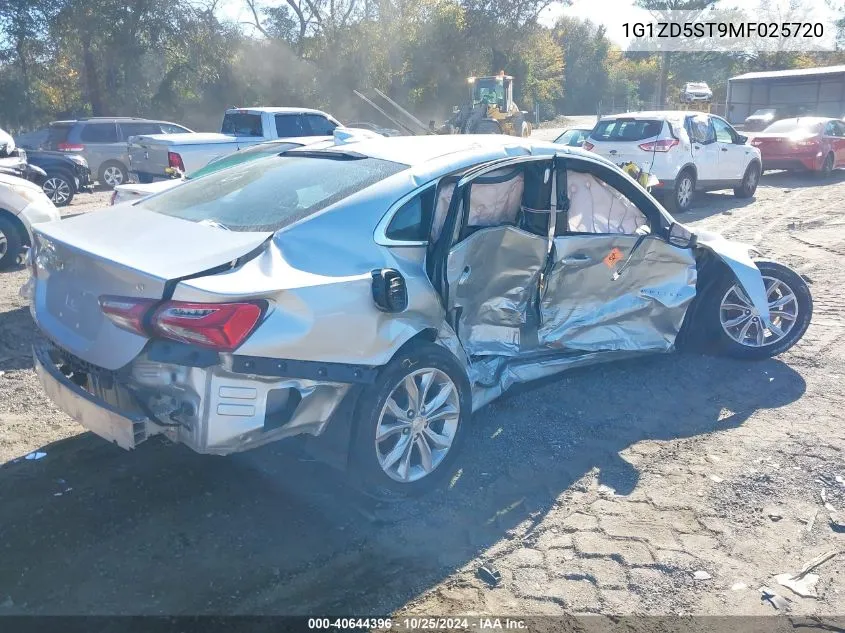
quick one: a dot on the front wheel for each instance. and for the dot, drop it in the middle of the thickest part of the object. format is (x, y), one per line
(11, 245)
(749, 182)
(827, 167)
(59, 189)
(411, 422)
(742, 332)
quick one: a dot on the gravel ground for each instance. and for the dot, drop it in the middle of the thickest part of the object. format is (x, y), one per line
(603, 492)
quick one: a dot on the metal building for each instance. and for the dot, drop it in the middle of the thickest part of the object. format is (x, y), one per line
(821, 89)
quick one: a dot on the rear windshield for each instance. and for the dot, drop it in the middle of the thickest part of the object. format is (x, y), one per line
(58, 133)
(243, 156)
(242, 124)
(626, 129)
(791, 125)
(270, 193)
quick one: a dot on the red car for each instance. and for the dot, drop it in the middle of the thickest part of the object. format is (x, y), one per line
(804, 143)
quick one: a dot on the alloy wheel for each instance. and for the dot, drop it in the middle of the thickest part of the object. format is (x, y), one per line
(741, 321)
(113, 176)
(417, 425)
(57, 189)
(751, 178)
(684, 192)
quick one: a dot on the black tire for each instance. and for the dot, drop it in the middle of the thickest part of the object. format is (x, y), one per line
(11, 244)
(803, 302)
(60, 188)
(363, 455)
(749, 183)
(827, 167)
(487, 126)
(674, 200)
(109, 171)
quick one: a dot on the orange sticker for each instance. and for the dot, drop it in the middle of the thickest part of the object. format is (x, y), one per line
(612, 257)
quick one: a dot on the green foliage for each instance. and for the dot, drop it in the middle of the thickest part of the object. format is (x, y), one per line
(176, 59)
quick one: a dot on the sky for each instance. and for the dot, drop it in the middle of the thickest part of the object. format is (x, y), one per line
(612, 13)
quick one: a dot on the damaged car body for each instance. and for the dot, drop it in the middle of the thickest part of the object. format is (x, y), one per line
(371, 295)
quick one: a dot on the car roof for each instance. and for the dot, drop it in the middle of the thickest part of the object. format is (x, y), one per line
(808, 119)
(276, 110)
(432, 156)
(653, 114)
(112, 119)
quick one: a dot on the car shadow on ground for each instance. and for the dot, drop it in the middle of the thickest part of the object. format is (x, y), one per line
(16, 338)
(711, 203)
(94, 529)
(800, 179)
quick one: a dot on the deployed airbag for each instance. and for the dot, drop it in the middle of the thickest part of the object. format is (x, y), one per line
(596, 207)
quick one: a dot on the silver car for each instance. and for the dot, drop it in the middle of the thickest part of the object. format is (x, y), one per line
(372, 294)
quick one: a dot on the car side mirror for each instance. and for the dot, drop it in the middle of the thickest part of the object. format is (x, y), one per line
(681, 236)
(741, 140)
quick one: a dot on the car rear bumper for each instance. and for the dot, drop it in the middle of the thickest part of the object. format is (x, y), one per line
(232, 412)
(95, 415)
(809, 163)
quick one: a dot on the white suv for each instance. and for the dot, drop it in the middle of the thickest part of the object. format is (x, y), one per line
(686, 151)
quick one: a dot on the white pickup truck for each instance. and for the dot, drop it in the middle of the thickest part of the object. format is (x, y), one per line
(157, 156)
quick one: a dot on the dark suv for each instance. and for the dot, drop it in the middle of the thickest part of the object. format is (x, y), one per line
(102, 142)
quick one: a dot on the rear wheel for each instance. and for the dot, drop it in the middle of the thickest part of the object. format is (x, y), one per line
(11, 246)
(742, 332)
(59, 188)
(411, 422)
(749, 182)
(680, 199)
(112, 174)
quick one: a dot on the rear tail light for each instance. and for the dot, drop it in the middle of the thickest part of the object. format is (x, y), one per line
(125, 312)
(219, 326)
(70, 147)
(174, 160)
(588, 146)
(805, 142)
(663, 145)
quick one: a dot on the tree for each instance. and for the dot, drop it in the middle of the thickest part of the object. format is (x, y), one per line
(585, 51)
(660, 9)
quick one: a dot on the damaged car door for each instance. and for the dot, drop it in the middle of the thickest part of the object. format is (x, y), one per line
(615, 283)
(498, 223)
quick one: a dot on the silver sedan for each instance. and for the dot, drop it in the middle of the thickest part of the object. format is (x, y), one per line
(372, 294)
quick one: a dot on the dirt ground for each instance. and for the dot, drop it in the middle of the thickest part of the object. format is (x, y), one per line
(603, 492)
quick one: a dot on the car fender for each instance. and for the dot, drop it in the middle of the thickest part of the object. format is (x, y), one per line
(737, 257)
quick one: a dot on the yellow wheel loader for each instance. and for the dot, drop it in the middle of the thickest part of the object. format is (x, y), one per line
(490, 109)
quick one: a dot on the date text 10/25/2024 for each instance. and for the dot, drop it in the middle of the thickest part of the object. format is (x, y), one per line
(418, 623)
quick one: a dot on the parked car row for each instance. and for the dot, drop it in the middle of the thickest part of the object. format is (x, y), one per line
(691, 151)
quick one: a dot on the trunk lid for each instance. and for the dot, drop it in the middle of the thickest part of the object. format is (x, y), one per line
(776, 144)
(122, 251)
